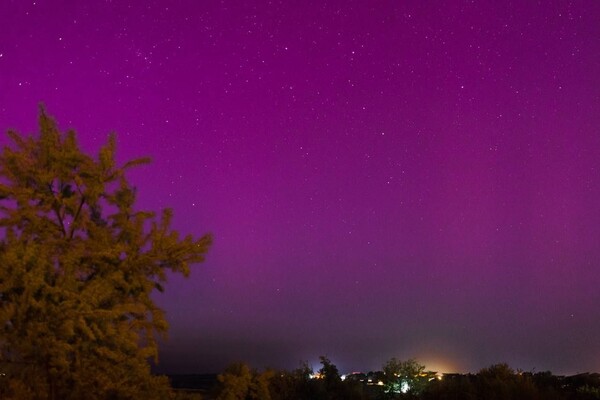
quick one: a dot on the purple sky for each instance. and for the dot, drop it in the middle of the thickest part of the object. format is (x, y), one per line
(382, 179)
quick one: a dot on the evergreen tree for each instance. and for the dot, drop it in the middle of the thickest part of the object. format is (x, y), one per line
(78, 265)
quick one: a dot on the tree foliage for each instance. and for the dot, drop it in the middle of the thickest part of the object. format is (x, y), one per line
(78, 264)
(239, 382)
(329, 372)
(405, 376)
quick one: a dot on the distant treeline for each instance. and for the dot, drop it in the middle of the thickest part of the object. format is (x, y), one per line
(397, 380)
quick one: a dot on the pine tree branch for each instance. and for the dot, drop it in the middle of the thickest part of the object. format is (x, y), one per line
(81, 203)
(57, 211)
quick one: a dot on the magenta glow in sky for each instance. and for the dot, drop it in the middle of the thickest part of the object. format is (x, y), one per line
(382, 179)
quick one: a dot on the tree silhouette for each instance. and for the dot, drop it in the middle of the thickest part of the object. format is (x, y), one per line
(77, 266)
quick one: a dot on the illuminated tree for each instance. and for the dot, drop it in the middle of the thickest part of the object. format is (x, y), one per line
(78, 265)
(239, 382)
(405, 376)
(235, 382)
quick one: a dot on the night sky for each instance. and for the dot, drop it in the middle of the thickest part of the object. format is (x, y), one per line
(382, 179)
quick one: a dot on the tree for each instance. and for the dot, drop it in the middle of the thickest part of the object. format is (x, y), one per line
(296, 384)
(329, 372)
(239, 382)
(78, 265)
(235, 382)
(405, 376)
(500, 381)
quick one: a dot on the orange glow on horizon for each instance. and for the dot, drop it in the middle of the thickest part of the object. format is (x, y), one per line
(440, 364)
